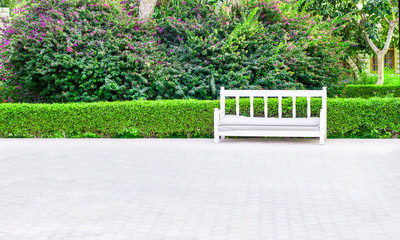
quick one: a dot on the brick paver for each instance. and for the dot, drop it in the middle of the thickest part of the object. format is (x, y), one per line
(194, 189)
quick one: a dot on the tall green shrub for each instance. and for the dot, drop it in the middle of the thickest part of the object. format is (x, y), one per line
(84, 50)
(256, 47)
(80, 50)
(365, 91)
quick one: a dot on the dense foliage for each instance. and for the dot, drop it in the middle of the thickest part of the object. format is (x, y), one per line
(77, 50)
(372, 117)
(259, 46)
(364, 91)
(358, 18)
(349, 13)
(6, 3)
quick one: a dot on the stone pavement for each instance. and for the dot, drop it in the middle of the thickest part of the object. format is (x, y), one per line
(194, 189)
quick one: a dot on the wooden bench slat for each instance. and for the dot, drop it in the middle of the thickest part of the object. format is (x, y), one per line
(265, 106)
(251, 106)
(294, 107)
(237, 105)
(222, 99)
(274, 93)
(280, 106)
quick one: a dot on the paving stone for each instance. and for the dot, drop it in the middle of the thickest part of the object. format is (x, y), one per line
(194, 189)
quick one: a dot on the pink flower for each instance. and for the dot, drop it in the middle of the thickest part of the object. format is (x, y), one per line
(5, 44)
(69, 49)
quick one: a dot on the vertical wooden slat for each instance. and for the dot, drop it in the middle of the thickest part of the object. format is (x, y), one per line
(294, 107)
(308, 107)
(323, 117)
(222, 100)
(251, 106)
(237, 105)
(266, 106)
(280, 106)
(324, 97)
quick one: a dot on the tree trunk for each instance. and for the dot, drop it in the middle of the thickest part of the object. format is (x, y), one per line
(146, 8)
(379, 57)
(381, 53)
(354, 67)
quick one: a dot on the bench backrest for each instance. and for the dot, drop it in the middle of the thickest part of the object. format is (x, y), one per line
(273, 93)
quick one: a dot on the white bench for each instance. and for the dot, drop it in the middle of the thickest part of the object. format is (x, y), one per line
(236, 125)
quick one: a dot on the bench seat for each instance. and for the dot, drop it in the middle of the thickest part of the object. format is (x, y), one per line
(223, 128)
(228, 120)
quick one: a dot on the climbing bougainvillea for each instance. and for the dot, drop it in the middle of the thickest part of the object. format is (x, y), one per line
(83, 50)
(260, 46)
(77, 50)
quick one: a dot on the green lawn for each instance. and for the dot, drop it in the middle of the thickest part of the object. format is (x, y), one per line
(390, 78)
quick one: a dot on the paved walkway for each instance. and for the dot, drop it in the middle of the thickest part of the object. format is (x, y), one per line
(194, 189)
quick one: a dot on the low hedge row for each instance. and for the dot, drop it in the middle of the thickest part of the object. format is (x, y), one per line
(365, 91)
(366, 118)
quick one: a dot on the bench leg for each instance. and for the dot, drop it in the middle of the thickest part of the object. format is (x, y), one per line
(322, 139)
(216, 137)
(322, 127)
(216, 125)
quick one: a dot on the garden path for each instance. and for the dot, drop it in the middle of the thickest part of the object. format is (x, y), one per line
(195, 189)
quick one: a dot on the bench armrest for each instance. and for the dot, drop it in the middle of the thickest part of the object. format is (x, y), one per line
(219, 112)
(217, 116)
(322, 113)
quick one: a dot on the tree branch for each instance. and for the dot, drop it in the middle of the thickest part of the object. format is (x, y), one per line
(387, 20)
(355, 5)
(392, 25)
(371, 44)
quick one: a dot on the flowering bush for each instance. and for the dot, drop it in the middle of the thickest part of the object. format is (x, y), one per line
(256, 47)
(77, 50)
(311, 52)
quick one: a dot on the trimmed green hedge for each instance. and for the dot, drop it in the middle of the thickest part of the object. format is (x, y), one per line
(365, 91)
(367, 118)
